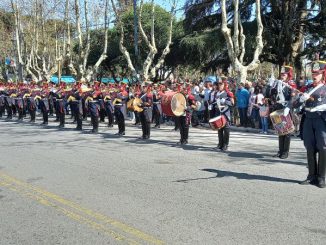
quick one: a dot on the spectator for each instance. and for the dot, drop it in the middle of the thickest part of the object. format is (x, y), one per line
(249, 86)
(242, 97)
(206, 92)
(264, 114)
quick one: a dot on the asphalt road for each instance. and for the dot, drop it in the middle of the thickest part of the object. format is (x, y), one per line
(69, 187)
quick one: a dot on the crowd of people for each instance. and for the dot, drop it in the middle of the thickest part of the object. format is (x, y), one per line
(281, 103)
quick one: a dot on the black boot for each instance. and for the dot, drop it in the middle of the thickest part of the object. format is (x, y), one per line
(185, 134)
(280, 146)
(312, 168)
(95, 125)
(79, 122)
(220, 139)
(32, 113)
(226, 137)
(148, 130)
(286, 147)
(181, 136)
(321, 169)
(62, 120)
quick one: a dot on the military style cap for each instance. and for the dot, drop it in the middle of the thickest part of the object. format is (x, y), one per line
(318, 67)
(286, 69)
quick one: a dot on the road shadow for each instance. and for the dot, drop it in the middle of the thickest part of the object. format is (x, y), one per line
(242, 176)
(173, 144)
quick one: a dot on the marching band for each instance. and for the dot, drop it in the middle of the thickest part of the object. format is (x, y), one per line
(150, 101)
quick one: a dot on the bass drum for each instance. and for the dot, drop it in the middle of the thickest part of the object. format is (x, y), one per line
(130, 105)
(173, 104)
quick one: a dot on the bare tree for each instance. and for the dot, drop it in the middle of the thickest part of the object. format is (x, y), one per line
(18, 38)
(236, 43)
(148, 66)
(122, 48)
(103, 56)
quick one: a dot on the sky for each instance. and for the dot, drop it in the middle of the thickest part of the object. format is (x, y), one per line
(167, 5)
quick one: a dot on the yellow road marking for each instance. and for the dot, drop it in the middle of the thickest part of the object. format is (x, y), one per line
(14, 183)
(77, 217)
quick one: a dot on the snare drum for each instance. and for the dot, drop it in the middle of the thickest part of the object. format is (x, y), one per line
(282, 124)
(218, 122)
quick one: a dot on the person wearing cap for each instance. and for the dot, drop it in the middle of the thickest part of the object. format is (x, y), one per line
(19, 102)
(224, 101)
(60, 104)
(2, 100)
(8, 102)
(109, 106)
(185, 119)
(281, 95)
(212, 100)
(94, 106)
(29, 97)
(314, 128)
(119, 103)
(75, 100)
(157, 108)
(145, 116)
(44, 105)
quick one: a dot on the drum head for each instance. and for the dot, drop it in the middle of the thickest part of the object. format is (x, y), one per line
(178, 104)
(214, 119)
(277, 113)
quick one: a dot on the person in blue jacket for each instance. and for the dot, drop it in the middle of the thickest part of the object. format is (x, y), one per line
(242, 98)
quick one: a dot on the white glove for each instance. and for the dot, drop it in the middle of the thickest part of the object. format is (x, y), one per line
(286, 111)
(222, 100)
(271, 82)
(304, 97)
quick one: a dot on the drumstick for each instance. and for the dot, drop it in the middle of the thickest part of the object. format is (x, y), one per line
(296, 90)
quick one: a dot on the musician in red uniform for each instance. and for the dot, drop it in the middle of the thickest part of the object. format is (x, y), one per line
(157, 109)
(145, 116)
(224, 100)
(60, 104)
(281, 95)
(94, 106)
(119, 108)
(314, 129)
(185, 119)
(44, 103)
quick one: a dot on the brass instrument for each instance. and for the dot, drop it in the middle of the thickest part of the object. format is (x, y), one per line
(117, 102)
(107, 98)
(130, 105)
(37, 97)
(137, 103)
(71, 98)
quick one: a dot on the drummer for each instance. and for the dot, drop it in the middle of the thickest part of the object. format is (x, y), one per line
(314, 129)
(224, 101)
(281, 96)
(157, 109)
(185, 119)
